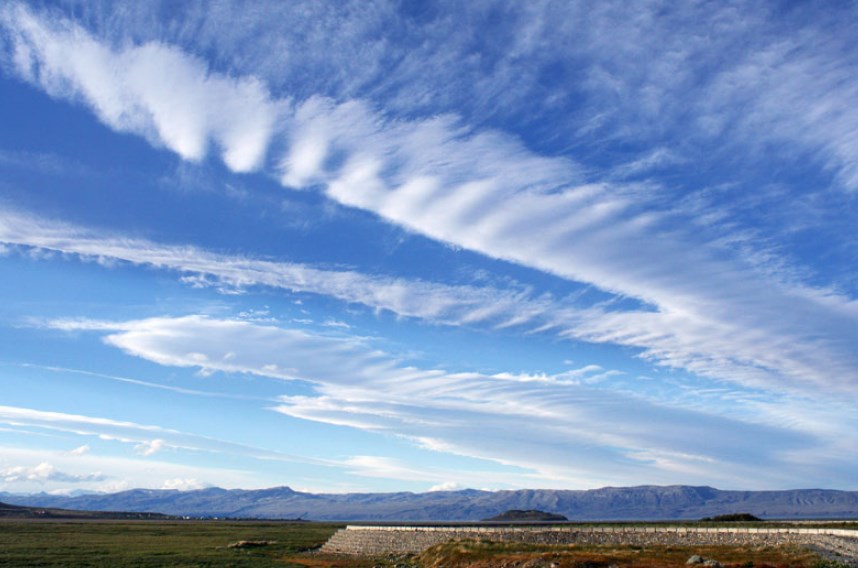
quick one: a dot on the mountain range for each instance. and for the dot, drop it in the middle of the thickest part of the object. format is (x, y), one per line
(18, 512)
(610, 503)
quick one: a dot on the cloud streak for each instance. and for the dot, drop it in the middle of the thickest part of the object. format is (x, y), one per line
(146, 439)
(774, 348)
(710, 311)
(688, 287)
(538, 422)
(510, 204)
(767, 79)
(153, 90)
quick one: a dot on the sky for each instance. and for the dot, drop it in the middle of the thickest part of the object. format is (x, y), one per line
(420, 246)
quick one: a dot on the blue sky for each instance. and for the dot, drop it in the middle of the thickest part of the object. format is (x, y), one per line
(383, 246)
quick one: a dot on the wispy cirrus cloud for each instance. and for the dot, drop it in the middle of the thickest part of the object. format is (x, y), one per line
(745, 76)
(485, 192)
(600, 70)
(145, 438)
(774, 334)
(708, 309)
(159, 451)
(536, 422)
(792, 91)
(144, 384)
(435, 302)
(153, 90)
(393, 468)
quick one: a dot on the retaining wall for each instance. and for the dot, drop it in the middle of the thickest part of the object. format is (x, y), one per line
(379, 540)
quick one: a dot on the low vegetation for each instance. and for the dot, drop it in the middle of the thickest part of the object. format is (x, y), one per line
(142, 544)
(483, 554)
(212, 544)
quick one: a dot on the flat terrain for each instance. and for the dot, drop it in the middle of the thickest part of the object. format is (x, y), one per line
(106, 543)
(486, 555)
(74, 544)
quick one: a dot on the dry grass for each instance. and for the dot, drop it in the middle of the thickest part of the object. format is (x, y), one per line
(146, 544)
(473, 554)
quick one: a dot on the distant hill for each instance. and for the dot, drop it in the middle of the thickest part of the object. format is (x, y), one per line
(609, 503)
(517, 515)
(18, 512)
(733, 518)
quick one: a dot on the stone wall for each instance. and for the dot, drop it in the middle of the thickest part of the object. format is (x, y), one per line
(379, 540)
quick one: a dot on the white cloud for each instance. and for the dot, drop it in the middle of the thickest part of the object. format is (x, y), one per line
(183, 484)
(432, 301)
(18, 416)
(43, 473)
(80, 450)
(35, 470)
(794, 90)
(708, 311)
(569, 432)
(150, 447)
(154, 90)
(746, 328)
(642, 75)
(393, 468)
(146, 439)
(712, 314)
(388, 468)
(446, 486)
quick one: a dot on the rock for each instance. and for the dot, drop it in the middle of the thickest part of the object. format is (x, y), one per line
(712, 563)
(251, 543)
(695, 560)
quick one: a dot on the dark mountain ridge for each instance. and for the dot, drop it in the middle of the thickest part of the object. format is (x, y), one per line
(517, 516)
(8, 511)
(647, 502)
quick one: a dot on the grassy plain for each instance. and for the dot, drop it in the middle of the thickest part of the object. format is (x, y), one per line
(150, 544)
(145, 544)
